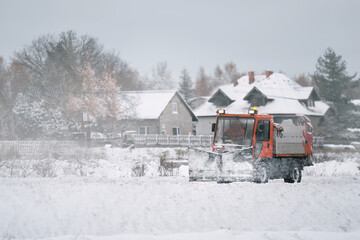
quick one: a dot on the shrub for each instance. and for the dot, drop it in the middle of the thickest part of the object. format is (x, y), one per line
(139, 170)
(45, 168)
(166, 168)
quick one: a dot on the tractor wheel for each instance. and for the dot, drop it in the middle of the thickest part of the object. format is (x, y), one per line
(294, 176)
(261, 174)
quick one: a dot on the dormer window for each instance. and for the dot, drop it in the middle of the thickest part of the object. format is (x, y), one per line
(220, 99)
(311, 102)
(257, 101)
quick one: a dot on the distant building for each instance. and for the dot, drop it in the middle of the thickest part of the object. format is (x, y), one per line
(158, 112)
(272, 93)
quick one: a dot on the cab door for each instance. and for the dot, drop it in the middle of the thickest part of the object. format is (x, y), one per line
(263, 147)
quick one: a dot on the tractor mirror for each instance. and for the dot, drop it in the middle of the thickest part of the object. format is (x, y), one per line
(213, 127)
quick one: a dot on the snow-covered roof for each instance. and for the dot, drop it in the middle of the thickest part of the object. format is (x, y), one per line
(206, 109)
(283, 92)
(276, 85)
(150, 104)
(240, 90)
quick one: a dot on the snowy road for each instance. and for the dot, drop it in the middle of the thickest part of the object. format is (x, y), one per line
(173, 208)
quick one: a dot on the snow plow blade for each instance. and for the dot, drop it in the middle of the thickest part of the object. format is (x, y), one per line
(226, 167)
(203, 165)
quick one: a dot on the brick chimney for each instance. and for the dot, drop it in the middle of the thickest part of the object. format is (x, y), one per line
(268, 73)
(235, 82)
(251, 77)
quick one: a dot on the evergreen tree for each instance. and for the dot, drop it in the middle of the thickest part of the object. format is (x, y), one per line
(185, 85)
(333, 84)
(331, 77)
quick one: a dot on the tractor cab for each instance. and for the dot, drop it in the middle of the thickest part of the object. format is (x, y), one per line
(243, 131)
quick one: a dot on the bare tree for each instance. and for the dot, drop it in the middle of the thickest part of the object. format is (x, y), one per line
(203, 87)
(51, 70)
(303, 80)
(161, 77)
(231, 73)
(218, 78)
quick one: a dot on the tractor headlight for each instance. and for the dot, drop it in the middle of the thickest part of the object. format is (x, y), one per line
(220, 111)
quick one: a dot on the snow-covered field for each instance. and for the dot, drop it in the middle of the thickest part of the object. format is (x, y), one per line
(100, 199)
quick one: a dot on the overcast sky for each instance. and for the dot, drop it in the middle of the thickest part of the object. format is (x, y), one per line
(256, 35)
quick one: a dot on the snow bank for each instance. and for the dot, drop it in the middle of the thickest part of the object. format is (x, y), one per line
(111, 163)
(338, 147)
(98, 198)
(333, 169)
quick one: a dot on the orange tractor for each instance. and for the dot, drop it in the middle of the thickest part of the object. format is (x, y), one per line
(252, 147)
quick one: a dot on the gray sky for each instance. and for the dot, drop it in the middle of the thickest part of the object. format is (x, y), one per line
(256, 35)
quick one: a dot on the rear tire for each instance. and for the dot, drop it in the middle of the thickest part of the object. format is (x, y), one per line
(261, 174)
(294, 176)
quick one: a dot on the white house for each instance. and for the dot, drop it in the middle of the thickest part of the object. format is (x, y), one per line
(272, 93)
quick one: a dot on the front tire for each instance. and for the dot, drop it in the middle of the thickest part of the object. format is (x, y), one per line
(261, 174)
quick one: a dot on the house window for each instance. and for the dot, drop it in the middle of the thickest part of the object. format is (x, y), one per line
(175, 107)
(144, 130)
(311, 103)
(176, 131)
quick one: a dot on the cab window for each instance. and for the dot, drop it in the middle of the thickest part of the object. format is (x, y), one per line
(263, 130)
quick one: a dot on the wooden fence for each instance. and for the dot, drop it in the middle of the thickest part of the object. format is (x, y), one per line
(38, 149)
(169, 140)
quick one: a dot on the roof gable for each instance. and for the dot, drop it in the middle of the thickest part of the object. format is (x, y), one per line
(182, 100)
(314, 95)
(151, 104)
(219, 93)
(252, 92)
(148, 104)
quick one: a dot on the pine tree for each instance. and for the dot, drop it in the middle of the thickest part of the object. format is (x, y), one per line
(331, 77)
(185, 85)
(333, 84)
